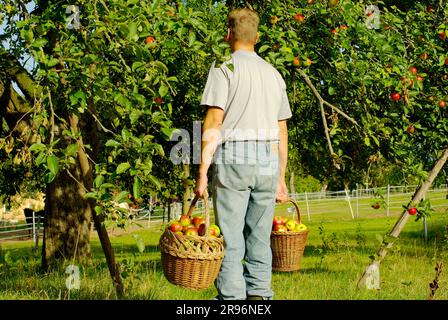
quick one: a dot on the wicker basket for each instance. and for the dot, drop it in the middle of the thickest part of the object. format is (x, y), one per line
(287, 247)
(192, 261)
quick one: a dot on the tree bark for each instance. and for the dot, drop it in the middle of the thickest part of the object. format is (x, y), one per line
(396, 230)
(67, 222)
(292, 188)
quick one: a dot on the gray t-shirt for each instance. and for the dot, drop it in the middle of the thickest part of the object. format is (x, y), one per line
(252, 94)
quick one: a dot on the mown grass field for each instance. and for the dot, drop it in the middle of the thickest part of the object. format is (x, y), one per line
(337, 252)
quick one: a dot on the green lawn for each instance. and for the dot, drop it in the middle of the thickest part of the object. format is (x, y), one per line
(337, 252)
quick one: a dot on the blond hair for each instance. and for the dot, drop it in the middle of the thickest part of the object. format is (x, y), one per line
(243, 23)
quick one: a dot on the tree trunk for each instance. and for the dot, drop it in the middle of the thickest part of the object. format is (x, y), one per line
(396, 230)
(67, 222)
(186, 198)
(292, 188)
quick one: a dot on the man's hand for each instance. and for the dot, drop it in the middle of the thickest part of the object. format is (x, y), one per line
(201, 185)
(282, 192)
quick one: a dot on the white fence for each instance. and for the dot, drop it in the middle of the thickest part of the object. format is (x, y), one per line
(24, 231)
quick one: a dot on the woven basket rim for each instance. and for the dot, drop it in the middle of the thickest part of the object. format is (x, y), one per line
(289, 233)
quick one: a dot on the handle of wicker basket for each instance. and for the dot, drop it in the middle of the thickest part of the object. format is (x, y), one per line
(207, 213)
(297, 209)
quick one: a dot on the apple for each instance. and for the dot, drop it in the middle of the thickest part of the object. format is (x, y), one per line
(410, 129)
(333, 3)
(442, 35)
(291, 224)
(280, 228)
(412, 211)
(413, 70)
(429, 8)
(175, 227)
(334, 31)
(446, 61)
(184, 221)
(424, 56)
(376, 206)
(343, 27)
(185, 228)
(395, 96)
(278, 220)
(299, 17)
(296, 62)
(214, 230)
(192, 231)
(198, 220)
(310, 1)
(300, 227)
(442, 104)
(273, 20)
(158, 100)
(149, 40)
(308, 61)
(419, 78)
(284, 220)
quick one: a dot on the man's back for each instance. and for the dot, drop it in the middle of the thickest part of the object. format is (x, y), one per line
(252, 94)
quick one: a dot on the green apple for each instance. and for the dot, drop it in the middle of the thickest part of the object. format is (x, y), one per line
(300, 227)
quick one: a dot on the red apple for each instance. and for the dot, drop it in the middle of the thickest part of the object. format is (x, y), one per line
(442, 104)
(175, 226)
(284, 220)
(446, 61)
(412, 211)
(413, 70)
(419, 78)
(280, 228)
(334, 31)
(192, 231)
(149, 40)
(410, 129)
(278, 220)
(442, 35)
(198, 220)
(395, 96)
(158, 100)
(214, 230)
(296, 62)
(376, 206)
(343, 27)
(299, 17)
(184, 221)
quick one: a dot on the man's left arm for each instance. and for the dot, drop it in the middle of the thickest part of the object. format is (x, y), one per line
(211, 134)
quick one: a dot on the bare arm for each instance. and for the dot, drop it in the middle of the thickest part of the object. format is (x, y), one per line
(211, 131)
(282, 190)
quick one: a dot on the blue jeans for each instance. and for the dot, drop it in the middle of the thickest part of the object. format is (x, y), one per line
(244, 184)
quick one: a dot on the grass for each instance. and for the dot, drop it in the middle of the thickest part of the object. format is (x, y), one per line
(337, 252)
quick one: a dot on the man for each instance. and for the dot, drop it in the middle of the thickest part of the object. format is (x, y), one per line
(245, 129)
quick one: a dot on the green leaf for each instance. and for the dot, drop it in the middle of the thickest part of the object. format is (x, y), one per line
(112, 143)
(122, 196)
(139, 242)
(91, 195)
(136, 187)
(122, 167)
(155, 181)
(107, 185)
(39, 43)
(263, 48)
(132, 31)
(71, 150)
(37, 147)
(163, 90)
(53, 164)
(49, 177)
(98, 181)
(331, 91)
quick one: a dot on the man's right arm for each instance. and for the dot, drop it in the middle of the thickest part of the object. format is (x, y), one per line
(282, 190)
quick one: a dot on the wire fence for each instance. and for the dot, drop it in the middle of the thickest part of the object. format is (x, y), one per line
(314, 206)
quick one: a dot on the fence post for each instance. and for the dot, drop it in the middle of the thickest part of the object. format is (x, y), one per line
(357, 202)
(349, 204)
(388, 200)
(307, 207)
(37, 233)
(34, 226)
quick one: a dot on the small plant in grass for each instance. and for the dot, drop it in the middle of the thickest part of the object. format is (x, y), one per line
(360, 237)
(329, 243)
(378, 201)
